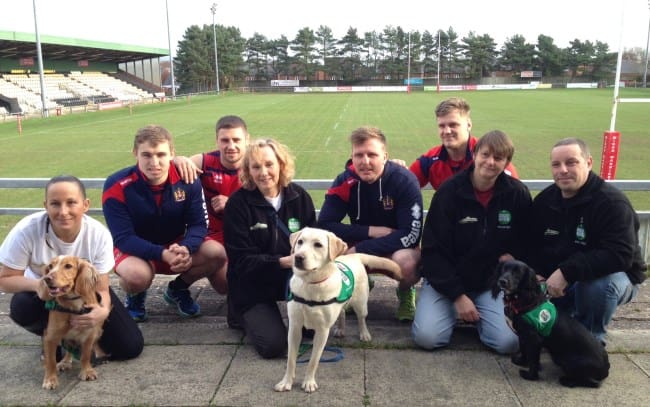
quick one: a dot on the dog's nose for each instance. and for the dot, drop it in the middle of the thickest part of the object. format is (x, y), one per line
(298, 259)
(503, 283)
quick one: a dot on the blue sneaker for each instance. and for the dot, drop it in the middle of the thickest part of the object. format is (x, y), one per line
(186, 306)
(135, 306)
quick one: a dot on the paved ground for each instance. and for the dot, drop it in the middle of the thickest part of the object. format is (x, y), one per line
(203, 362)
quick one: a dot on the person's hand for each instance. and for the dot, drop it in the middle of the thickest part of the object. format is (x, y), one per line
(95, 317)
(43, 291)
(466, 309)
(178, 257)
(188, 171)
(505, 257)
(556, 284)
(218, 203)
(399, 162)
(286, 262)
(379, 231)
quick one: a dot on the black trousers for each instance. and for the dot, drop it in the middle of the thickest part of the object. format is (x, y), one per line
(121, 339)
(264, 326)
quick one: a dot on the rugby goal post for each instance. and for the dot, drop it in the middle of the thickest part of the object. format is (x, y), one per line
(612, 138)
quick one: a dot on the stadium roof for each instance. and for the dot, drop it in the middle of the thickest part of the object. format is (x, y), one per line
(14, 45)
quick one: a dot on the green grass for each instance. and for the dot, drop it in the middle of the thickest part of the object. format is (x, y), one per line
(316, 126)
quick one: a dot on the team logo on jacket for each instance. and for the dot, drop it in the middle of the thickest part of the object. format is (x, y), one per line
(581, 234)
(388, 203)
(217, 178)
(551, 232)
(294, 224)
(504, 218)
(179, 195)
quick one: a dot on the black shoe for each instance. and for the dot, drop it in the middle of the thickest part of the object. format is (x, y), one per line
(232, 317)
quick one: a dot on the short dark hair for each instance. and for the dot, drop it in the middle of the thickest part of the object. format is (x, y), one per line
(584, 149)
(231, 122)
(498, 143)
(66, 178)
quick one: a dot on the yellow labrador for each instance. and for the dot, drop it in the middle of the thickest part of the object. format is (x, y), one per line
(323, 282)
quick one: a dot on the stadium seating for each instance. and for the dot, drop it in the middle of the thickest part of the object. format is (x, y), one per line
(68, 90)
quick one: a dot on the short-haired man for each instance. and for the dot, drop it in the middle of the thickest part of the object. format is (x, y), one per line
(158, 224)
(585, 239)
(384, 205)
(218, 171)
(455, 152)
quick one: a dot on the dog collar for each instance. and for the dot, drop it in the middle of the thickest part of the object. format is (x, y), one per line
(347, 288)
(52, 305)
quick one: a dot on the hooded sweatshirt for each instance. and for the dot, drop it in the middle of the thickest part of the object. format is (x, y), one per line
(394, 201)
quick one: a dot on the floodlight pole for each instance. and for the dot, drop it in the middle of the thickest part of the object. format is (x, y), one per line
(408, 68)
(439, 55)
(214, 32)
(171, 59)
(645, 72)
(39, 54)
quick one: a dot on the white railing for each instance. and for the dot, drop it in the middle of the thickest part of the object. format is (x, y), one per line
(321, 184)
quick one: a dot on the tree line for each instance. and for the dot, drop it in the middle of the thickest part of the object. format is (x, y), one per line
(390, 54)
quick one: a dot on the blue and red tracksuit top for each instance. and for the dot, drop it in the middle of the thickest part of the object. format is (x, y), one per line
(434, 166)
(394, 201)
(217, 180)
(141, 227)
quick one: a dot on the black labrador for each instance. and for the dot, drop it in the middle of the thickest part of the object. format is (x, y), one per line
(538, 324)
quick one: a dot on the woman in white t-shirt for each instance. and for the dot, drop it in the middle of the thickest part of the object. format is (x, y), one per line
(65, 229)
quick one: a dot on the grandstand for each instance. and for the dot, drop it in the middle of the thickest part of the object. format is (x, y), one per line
(78, 74)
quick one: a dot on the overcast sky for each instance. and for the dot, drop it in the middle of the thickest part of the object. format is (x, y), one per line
(144, 22)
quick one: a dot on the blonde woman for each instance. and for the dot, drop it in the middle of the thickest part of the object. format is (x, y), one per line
(258, 220)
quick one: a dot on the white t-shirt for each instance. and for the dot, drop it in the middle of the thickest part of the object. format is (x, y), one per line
(27, 246)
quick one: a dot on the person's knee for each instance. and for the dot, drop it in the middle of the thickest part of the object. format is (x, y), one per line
(271, 348)
(211, 252)
(134, 281)
(28, 312)
(408, 263)
(429, 337)
(506, 345)
(129, 350)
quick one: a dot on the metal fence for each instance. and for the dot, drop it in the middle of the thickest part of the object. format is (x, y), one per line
(321, 184)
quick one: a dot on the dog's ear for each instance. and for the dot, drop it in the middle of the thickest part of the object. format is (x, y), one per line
(494, 279)
(336, 245)
(529, 278)
(86, 282)
(293, 238)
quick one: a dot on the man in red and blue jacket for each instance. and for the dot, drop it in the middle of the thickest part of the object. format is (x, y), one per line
(384, 205)
(455, 153)
(158, 224)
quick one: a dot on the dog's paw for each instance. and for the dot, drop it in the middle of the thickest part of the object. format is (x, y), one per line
(365, 336)
(528, 375)
(519, 359)
(309, 386)
(88, 374)
(284, 385)
(50, 383)
(64, 365)
(339, 333)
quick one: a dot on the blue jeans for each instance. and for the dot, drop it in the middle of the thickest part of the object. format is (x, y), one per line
(594, 302)
(435, 318)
